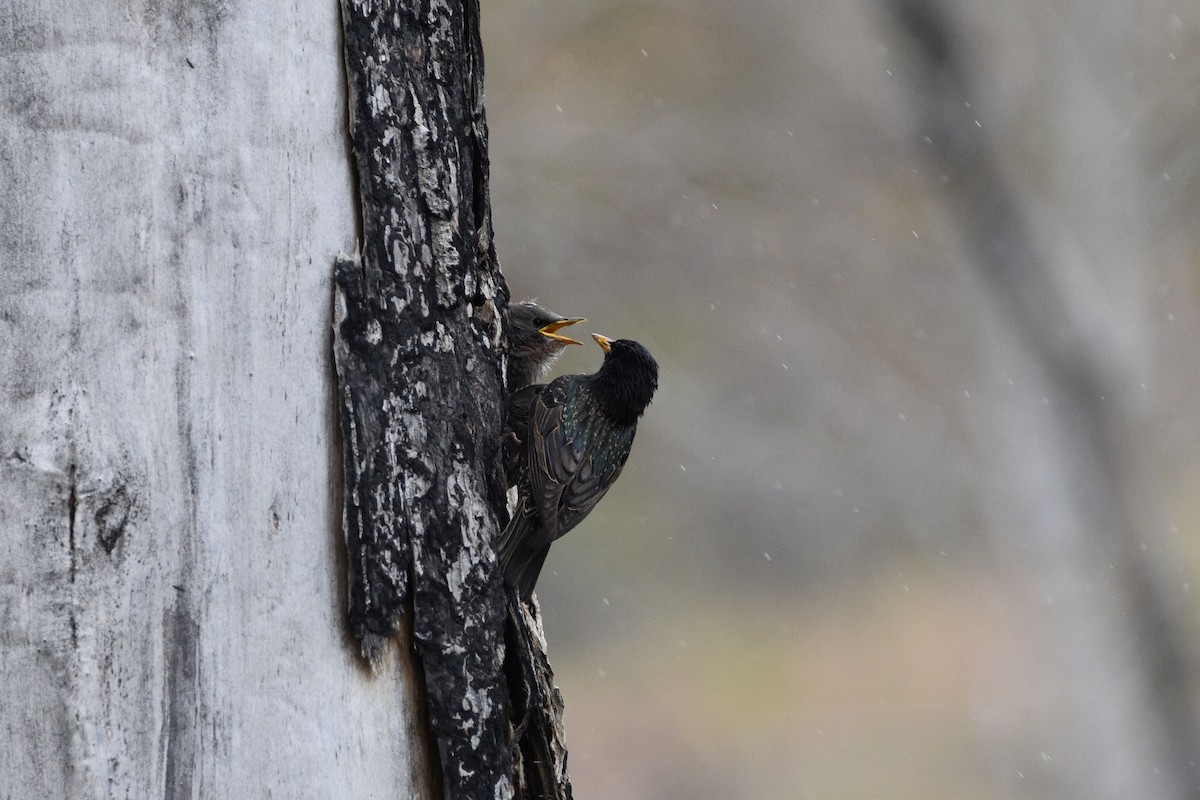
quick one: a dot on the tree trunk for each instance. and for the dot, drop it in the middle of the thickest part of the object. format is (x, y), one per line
(1071, 459)
(172, 606)
(172, 611)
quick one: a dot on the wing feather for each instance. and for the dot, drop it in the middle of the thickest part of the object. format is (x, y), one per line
(565, 481)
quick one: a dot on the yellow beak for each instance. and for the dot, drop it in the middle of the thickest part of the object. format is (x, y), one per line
(551, 331)
(604, 342)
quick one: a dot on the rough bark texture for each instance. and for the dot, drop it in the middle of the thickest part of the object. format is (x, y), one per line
(418, 347)
(172, 612)
(540, 763)
(1135, 734)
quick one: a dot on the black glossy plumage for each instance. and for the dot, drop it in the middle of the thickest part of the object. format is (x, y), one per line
(571, 439)
(532, 351)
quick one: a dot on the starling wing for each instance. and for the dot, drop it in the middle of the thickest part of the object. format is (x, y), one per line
(576, 454)
(573, 454)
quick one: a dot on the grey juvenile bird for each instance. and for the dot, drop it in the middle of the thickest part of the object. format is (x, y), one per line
(534, 342)
(572, 439)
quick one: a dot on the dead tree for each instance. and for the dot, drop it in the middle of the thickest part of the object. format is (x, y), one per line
(172, 563)
(1071, 309)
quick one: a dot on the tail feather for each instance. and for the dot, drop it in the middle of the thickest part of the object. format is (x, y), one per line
(522, 572)
(520, 563)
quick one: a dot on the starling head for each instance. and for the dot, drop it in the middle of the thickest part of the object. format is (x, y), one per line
(626, 381)
(534, 342)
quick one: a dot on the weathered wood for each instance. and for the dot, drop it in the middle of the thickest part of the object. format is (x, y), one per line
(418, 341)
(540, 748)
(172, 611)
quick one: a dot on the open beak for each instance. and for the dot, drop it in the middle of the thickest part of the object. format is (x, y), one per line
(551, 331)
(604, 342)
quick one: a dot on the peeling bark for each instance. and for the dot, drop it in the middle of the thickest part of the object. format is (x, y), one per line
(419, 352)
(418, 339)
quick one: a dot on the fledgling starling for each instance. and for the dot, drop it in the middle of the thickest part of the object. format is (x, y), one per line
(534, 342)
(574, 437)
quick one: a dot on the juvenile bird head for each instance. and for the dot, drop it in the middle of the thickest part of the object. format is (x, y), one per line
(534, 342)
(626, 381)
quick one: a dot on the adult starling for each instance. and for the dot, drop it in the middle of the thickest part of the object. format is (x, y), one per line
(573, 436)
(534, 342)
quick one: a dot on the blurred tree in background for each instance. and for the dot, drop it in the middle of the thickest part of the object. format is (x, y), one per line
(914, 513)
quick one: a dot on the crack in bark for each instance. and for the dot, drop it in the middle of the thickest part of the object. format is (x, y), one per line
(72, 511)
(181, 638)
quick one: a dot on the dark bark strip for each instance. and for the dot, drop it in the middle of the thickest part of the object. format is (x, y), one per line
(417, 347)
(540, 751)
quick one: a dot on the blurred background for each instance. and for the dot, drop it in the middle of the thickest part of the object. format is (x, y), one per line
(915, 511)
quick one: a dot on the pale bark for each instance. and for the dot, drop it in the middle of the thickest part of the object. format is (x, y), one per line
(172, 611)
